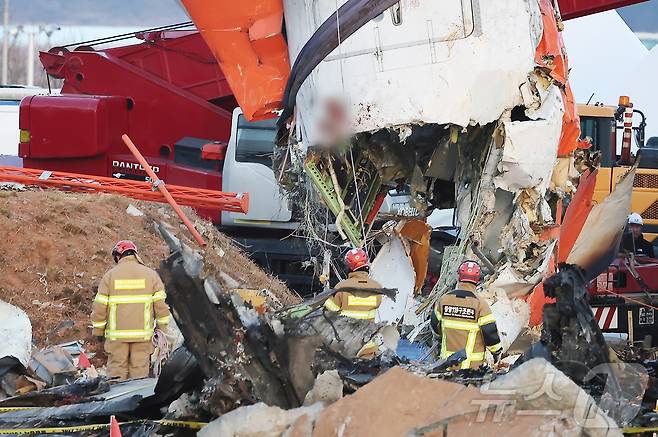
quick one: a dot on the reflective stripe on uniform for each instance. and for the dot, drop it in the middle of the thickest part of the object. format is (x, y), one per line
(129, 284)
(370, 301)
(101, 298)
(162, 320)
(145, 299)
(148, 324)
(98, 324)
(477, 356)
(489, 318)
(472, 328)
(495, 348)
(331, 305)
(464, 326)
(470, 346)
(128, 298)
(128, 334)
(112, 317)
(358, 314)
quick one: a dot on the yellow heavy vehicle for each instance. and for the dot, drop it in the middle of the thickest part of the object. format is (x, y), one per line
(601, 124)
(623, 296)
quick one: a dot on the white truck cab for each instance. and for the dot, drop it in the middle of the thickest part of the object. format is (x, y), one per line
(248, 169)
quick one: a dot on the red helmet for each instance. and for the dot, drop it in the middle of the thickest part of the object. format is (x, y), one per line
(469, 271)
(356, 259)
(122, 246)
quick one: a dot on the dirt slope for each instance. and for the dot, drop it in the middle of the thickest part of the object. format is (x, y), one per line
(56, 246)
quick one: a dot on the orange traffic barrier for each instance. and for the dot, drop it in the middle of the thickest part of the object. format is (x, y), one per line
(160, 185)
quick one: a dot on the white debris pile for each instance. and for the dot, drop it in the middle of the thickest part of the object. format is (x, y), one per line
(535, 398)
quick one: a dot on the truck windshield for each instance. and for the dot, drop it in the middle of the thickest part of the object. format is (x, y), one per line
(598, 129)
(255, 141)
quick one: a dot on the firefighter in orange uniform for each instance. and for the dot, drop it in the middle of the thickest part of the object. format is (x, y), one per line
(463, 320)
(129, 304)
(354, 296)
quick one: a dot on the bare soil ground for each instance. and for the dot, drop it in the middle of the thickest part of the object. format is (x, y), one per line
(55, 247)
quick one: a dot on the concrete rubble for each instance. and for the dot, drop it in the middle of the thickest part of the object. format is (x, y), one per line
(400, 403)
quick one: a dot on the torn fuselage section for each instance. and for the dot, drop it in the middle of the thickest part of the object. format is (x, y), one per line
(420, 159)
(471, 119)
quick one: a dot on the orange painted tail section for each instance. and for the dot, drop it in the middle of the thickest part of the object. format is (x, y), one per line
(574, 219)
(576, 215)
(246, 38)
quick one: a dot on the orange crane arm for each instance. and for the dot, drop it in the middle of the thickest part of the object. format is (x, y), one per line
(247, 40)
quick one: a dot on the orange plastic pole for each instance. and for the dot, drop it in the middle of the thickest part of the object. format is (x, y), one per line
(163, 189)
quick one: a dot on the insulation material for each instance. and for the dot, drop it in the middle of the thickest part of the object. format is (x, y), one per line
(393, 268)
(413, 315)
(564, 175)
(512, 316)
(511, 282)
(515, 284)
(530, 148)
(429, 52)
(15, 333)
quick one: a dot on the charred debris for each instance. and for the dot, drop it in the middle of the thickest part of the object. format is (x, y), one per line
(291, 367)
(249, 365)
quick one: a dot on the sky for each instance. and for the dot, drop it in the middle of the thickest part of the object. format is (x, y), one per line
(121, 13)
(82, 20)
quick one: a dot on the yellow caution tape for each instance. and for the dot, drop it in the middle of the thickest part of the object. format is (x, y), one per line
(639, 429)
(10, 409)
(181, 423)
(79, 428)
(54, 430)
